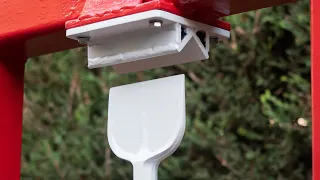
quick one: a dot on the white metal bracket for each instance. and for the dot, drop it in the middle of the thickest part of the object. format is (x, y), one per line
(146, 40)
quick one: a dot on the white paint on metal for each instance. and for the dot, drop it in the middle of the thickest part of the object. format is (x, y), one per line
(134, 46)
(140, 21)
(190, 49)
(146, 123)
(146, 40)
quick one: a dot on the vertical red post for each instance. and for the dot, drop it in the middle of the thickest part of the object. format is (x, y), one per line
(12, 60)
(315, 58)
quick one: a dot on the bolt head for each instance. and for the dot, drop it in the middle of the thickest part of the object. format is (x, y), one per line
(156, 23)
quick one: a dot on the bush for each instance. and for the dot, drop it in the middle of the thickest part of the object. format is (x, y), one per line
(249, 108)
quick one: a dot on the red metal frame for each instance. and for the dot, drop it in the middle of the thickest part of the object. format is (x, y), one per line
(41, 23)
(11, 104)
(315, 58)
(35, 27)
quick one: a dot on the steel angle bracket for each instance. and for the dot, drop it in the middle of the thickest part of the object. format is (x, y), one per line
(146, 40)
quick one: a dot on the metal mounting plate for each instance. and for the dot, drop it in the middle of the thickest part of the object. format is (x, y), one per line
(130, 44)
(137, 22)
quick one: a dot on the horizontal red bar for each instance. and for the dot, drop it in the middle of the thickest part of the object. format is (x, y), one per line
(37, 21)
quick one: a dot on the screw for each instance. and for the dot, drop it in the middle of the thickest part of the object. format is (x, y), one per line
(83, 39)
(155, 23)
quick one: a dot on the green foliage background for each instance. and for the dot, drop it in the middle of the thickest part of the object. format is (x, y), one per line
(243, 105)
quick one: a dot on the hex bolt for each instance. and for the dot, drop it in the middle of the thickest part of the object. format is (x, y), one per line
(156, 23)
(83, 39)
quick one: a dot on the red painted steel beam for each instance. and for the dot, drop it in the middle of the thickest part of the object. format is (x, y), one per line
(12, 60)
(315, 59)
(41, 22)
